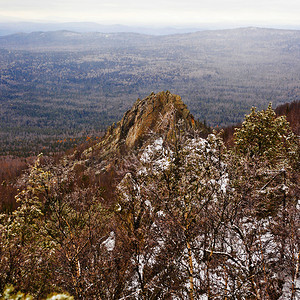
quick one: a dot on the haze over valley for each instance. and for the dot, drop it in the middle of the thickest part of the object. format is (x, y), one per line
(63, 84)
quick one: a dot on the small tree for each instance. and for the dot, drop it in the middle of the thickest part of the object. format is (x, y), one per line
(58, 237)
(264, 135)
(24, 244)
(264, 167)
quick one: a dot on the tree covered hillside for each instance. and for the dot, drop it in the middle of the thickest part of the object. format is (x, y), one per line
(57, 86)
(168, 214)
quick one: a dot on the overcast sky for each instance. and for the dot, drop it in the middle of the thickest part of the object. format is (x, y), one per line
(157, 12)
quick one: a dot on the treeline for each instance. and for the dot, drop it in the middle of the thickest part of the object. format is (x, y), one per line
(22, 143)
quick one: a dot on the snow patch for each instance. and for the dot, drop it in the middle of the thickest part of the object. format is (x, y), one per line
(110, 242)
(157, 155)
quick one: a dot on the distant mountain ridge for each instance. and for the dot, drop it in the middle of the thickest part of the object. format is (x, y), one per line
(12, 27)
(28, 27)
(66, 39)
(237, 39)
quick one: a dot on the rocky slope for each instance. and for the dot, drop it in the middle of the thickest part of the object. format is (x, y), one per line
(157, 113)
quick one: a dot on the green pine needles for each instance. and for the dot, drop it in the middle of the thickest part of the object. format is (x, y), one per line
(262, 134)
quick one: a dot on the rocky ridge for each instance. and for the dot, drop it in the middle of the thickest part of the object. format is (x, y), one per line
(157, 113)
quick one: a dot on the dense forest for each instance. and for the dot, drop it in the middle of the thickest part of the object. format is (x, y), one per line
(59, 86)
(159, 208)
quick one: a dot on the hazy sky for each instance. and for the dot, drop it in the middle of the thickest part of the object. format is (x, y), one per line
(160, 12)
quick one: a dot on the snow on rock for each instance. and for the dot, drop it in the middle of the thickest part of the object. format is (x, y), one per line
(157, 155)
(287, 289)
(110, 242)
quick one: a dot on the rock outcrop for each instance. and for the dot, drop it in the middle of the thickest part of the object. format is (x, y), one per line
(154, 114)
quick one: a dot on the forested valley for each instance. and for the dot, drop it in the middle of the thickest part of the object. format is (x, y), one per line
(159, 208)
(59, 88)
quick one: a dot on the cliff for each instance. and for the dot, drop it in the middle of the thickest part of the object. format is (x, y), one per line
(156, 113)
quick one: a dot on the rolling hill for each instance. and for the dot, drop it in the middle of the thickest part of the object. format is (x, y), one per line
(62, 84)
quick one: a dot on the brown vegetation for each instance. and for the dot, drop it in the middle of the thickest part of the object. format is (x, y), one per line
(176, 216)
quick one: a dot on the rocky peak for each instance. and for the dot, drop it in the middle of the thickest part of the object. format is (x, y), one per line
(156, 113)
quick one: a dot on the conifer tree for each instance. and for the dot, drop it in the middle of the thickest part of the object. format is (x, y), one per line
(265, 163)
(264, 135)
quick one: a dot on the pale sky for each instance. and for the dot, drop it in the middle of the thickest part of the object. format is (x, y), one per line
(154, 12)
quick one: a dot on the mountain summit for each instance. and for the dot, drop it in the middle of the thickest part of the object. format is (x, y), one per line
(157, 113)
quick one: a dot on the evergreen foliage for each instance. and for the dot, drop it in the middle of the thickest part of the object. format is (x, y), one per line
(10, 294)
(264, 134)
